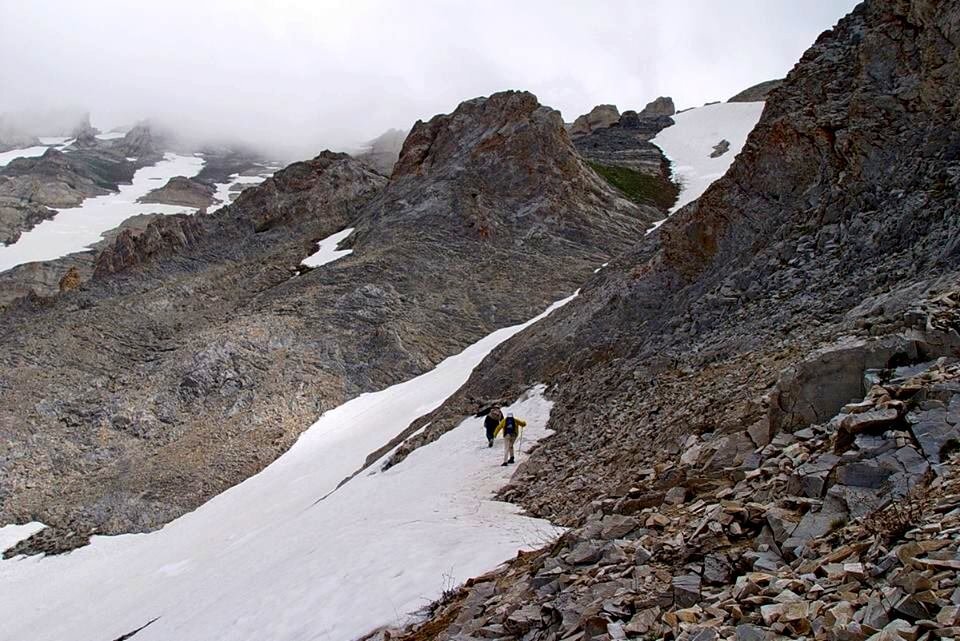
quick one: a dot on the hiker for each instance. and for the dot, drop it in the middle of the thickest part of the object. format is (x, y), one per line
(494, 416)
(510, 427)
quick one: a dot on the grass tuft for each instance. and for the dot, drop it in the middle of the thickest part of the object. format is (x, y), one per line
(641, 188)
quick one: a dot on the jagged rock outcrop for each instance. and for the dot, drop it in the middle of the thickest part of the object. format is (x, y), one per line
(627, 144)
(599, 117)
(84, 134)
(140, 142)
(212, 358)
(758, 92)
(835, 220)
(182, 191)
(662, 106)
(164, 236)
(71, 280)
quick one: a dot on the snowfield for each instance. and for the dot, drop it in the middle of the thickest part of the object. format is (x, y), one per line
(327, 251)
(689, 143)
(31, 152)
(74, 229)
(286, 555)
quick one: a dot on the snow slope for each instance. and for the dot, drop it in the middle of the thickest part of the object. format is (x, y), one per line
(74, 229)
(689, 143)
(327, 251)
(272, 559)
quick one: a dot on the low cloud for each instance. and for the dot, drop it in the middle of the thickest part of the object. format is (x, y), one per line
(295, 77)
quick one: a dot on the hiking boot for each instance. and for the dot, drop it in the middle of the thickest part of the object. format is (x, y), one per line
(490, 442)
(504, 464)
(510, 461)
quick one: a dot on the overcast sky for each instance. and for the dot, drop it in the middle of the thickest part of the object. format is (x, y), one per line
(304, 74)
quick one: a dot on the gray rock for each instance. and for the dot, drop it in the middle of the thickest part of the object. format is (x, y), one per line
(616, 526)
(662, 106)
(686, 590)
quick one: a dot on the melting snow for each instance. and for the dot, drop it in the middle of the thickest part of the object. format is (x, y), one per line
(689, 143)
(112, 135)
(327, 251)
(74, 229)
(268, 560)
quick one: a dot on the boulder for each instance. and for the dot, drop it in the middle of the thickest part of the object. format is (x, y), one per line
(600, 117)
(662, 106)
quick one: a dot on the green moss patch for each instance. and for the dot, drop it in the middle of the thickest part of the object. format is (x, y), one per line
(641, 188)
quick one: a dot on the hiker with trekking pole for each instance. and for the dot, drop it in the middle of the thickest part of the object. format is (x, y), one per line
(511, 428)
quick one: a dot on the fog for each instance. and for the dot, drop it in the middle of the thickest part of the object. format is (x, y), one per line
(297, 76)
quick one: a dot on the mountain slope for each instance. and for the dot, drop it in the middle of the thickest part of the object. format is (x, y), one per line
(717, 334)
(209, 359)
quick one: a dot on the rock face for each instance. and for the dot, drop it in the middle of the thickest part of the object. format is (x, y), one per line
(164, 236)
(600, 117)
(696, 362)
(140, 142)
(627, 144)
(758, 92)
(182, 191)
(212, 357)
(662, 106)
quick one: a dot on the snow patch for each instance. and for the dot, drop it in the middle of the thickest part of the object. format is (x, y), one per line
(689, 143)
(10, 535)
(75, 229)
(58, 142)
(29, 152)
(268, 560)
(112, 135)
(327, 251)
(222, 196)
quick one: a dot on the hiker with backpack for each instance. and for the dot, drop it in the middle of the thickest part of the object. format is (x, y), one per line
(510, 427)
(490, 423)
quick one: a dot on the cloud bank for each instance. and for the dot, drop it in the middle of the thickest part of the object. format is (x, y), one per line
(298, 76)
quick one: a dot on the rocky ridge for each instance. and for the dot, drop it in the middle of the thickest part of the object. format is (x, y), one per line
(182, 191)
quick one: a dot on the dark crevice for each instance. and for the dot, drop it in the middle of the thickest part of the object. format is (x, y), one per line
(133, 632)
